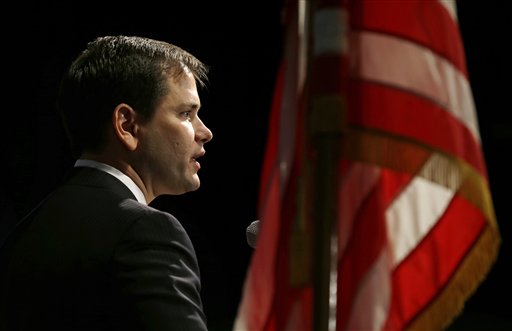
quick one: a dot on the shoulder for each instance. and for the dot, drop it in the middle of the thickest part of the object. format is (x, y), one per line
(140, 213)
(151, 225)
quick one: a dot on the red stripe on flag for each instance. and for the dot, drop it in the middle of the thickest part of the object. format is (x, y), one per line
(367, 240)
(398, 112)
(425, 272)
(425, 22)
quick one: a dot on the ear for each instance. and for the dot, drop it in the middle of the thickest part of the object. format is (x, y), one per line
(124, 121)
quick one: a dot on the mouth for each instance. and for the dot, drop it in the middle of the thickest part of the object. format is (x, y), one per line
(197, 156)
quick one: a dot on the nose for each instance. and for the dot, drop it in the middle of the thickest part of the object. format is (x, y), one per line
(203, 134)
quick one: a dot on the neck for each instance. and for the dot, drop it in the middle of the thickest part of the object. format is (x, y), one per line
(122, 165)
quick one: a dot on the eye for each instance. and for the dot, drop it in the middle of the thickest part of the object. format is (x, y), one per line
(186, 114)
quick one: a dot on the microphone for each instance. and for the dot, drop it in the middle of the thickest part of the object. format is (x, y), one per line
(252, 233)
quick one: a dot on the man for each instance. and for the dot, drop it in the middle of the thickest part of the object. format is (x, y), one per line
(94, 255)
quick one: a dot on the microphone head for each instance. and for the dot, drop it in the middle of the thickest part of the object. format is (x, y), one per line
(252, 233)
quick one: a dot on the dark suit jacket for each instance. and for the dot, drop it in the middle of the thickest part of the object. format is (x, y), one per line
(93, 258)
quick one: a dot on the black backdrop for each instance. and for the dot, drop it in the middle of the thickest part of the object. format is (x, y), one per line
(241, 42)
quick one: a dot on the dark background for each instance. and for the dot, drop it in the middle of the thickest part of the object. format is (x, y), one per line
(241, 42)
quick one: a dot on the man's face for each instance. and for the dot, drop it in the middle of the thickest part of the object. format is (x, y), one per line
(174, 139)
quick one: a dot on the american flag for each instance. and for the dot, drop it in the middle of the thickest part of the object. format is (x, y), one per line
(375, 207)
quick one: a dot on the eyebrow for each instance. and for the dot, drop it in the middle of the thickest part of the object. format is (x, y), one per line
(193, 106)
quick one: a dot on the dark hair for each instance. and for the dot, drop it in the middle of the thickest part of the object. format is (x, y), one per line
(114, 70)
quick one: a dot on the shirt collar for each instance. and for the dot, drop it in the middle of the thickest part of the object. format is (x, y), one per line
(116, 173)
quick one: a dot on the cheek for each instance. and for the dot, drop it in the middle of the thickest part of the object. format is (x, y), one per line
(175, 138)
(177, 149)
(183, 136)
(179, 143)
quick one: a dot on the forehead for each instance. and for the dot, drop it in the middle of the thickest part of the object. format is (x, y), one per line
(182, 89)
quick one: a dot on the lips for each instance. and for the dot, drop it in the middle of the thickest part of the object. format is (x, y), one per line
(197, 156)
(194, 160)
(197, 164)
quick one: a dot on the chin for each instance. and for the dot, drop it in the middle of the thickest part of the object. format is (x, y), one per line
(192, 186)
(195, 187)
(196, 182)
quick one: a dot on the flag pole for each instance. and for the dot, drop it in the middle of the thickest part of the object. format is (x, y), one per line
(324, 141)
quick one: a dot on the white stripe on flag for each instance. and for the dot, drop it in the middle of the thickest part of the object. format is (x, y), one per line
(413, 213)
(294, 78)
(411, 67)
(451, 7)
